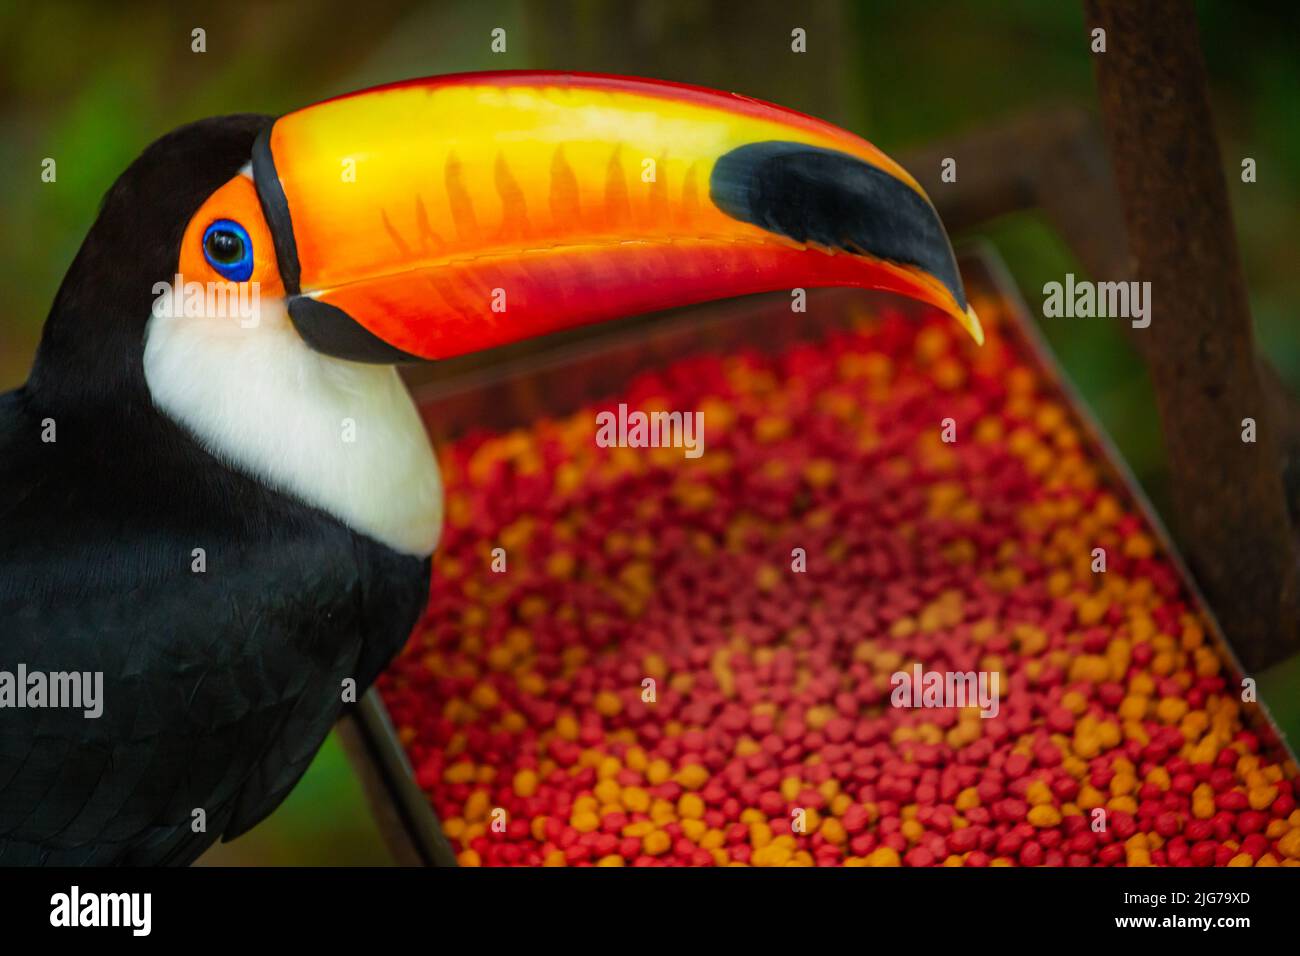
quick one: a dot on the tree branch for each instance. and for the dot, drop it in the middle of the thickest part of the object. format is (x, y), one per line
(1231, 508)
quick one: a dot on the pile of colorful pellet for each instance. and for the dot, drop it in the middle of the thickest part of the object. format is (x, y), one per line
(688, 661)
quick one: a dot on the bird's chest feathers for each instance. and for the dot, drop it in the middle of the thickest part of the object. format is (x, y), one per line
(341, 436)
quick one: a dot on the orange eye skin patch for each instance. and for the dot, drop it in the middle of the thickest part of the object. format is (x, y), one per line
(236, 200)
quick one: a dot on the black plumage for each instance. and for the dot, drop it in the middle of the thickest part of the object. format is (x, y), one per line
(220, 686)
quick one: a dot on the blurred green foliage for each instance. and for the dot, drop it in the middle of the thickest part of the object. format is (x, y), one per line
(90, 84)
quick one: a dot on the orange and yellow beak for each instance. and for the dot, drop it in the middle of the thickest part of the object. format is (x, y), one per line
(444, 216)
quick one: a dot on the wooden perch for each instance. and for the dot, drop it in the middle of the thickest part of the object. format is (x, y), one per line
(1231, 507)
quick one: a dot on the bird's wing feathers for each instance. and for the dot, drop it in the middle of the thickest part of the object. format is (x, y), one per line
(219, 685)
(198, 713)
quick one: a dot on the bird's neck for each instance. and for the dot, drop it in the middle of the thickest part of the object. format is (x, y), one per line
(340, 436)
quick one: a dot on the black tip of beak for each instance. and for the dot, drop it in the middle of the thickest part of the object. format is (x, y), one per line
(811, 194)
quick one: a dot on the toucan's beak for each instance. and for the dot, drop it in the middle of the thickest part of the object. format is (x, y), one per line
(438, 217)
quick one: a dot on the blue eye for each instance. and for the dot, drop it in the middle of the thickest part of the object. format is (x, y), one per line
(228, 249)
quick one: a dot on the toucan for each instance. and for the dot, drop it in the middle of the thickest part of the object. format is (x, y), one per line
(227, 514)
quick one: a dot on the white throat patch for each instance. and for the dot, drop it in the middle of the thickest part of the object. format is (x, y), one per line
(341, 436)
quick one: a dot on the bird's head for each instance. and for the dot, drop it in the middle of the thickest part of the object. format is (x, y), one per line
(308, 254)
(431, 219)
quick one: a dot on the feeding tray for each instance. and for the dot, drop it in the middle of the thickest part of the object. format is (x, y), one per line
(645, 655)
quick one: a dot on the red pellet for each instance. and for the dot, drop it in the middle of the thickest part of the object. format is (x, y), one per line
(769, 737)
